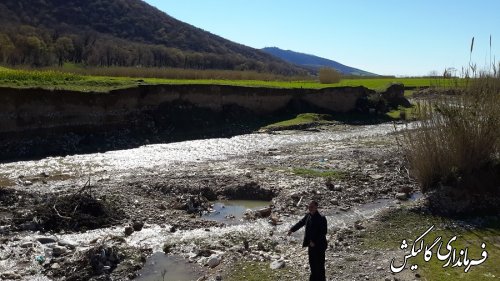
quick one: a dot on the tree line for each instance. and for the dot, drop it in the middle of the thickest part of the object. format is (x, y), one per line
(39, 47)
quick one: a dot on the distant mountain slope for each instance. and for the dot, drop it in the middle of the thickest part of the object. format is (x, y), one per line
(314, 62)
(118, 32)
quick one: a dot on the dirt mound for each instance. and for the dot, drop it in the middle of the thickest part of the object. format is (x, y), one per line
(248, 191)
(77, 212)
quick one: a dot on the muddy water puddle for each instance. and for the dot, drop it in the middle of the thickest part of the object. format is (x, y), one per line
(161, 267)
(233, 211)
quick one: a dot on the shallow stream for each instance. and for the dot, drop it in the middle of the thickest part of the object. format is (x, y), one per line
(156, 159)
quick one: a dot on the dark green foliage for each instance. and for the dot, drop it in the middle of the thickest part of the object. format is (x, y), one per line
(117, 33)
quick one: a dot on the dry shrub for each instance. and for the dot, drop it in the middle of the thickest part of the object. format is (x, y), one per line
(329, 76)
(457, 141)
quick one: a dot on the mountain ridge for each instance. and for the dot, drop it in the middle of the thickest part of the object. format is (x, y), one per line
(314, 62)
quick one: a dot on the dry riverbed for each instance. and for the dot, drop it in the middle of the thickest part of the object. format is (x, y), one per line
(105, 216)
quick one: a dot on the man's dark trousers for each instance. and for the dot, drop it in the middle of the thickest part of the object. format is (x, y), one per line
(317, 263)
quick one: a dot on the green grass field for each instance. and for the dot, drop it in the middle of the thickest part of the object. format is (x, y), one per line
(50, 79)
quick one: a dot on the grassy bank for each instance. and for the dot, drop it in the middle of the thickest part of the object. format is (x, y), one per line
(395, 226)
(300, 121)
(402, 113)
(51, 79)
(257, 271)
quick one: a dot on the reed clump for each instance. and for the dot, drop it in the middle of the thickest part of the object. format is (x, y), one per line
(454, 149)
(457, 136)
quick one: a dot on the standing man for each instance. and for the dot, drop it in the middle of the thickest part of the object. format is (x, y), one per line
(315, 240)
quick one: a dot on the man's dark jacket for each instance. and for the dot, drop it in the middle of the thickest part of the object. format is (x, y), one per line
(316, 228)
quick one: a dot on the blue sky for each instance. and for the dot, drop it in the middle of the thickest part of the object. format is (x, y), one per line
(396, 37)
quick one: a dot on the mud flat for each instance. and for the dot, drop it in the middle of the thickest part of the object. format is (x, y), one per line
(155, 198)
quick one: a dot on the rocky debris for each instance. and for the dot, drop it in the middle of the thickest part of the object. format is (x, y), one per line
(28, 244)
(214, 260)
(103, 259)
(263, 213)
(27, 183)
(192, 204)
(110, 259)
(59, 251)
(137, 225)
(277, 264)
(10, 275)
(46, 240)
(376, 177)
(167, 248)
(68, 244)
(55, 266)
(274, 219)
(330, 185)
(401, 196)
(358, 225)
(145, 195)
(128, 230)
(345, 208)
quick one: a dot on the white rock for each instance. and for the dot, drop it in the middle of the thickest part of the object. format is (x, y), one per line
(214, 260)
(203, 261)
(27, 245)
(10, 275)
(55, 266)
(68, 244)
(377, 177)
(277, 264)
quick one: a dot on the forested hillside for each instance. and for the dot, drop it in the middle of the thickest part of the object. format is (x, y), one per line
(117, 33)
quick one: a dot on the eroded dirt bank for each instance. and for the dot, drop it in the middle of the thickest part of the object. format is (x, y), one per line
(40, 123)
(149, 189)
